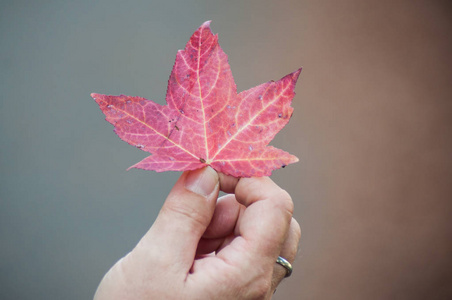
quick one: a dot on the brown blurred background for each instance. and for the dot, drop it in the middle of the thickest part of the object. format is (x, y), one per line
(372, 127)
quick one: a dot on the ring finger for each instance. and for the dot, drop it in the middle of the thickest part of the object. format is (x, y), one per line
(289, 251)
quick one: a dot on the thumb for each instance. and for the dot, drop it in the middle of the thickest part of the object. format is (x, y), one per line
(184, 217)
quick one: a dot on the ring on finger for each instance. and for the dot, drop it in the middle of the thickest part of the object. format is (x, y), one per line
(283, 262)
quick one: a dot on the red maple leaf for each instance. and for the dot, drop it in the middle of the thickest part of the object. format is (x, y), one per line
(205, 121)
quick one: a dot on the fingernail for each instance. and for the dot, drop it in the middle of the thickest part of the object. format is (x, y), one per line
(202, 181)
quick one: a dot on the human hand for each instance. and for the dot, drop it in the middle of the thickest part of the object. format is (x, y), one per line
(201, 248)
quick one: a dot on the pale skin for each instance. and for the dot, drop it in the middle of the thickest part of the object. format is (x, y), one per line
(203, 248)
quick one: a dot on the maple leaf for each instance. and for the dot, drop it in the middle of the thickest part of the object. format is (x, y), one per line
(205, 121)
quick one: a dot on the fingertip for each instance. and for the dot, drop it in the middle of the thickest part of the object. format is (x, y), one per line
(228, 183)
(202, 181)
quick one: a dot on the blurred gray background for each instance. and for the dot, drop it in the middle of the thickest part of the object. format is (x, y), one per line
(372, 128)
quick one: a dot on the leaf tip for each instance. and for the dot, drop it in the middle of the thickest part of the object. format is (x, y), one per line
(296, 74)
(206, 24)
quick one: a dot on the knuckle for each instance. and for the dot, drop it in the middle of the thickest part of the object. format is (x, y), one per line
(292, 241)
(284, 202)
(295, 227)
(179, 210)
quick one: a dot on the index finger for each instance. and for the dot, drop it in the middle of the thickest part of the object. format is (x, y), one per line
(264, 224)
(266, 220)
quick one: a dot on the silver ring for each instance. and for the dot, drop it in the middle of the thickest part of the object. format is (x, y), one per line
(283, 262)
